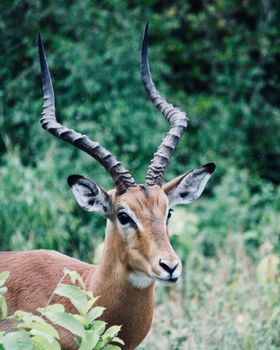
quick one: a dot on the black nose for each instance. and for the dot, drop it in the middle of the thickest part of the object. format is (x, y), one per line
(166, 267)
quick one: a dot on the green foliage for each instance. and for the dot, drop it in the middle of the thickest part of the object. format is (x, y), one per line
(37, 211)
(217, 60)
(34, 332)
(3, 290)
(242, 205)
(16, 341)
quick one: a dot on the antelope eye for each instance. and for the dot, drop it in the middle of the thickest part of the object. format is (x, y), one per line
(124, 218)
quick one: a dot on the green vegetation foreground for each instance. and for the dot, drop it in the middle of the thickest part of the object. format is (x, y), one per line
(219, 62)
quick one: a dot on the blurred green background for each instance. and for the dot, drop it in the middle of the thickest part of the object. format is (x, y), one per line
(218, 61)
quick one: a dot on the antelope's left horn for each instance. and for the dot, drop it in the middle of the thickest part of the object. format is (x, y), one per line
(121, 177)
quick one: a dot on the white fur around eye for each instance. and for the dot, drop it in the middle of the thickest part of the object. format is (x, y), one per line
(129, 228)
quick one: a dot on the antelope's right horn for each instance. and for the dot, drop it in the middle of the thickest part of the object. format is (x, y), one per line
(177, 119)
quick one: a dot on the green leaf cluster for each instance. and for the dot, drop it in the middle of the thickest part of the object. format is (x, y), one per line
(33, 332)
(3, 290)
(218, 61)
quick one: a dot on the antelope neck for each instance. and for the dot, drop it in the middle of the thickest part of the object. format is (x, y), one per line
(125, 304)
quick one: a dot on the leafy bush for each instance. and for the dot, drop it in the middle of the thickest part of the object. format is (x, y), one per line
(37, 210)
(242, 204)
(36, 332)
(217, 60)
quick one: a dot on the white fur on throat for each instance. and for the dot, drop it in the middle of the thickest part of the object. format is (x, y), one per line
(139, 280)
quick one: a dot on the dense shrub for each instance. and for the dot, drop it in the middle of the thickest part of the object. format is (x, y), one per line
(217, 60)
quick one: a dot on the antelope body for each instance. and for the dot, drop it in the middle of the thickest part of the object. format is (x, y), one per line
(137, 251)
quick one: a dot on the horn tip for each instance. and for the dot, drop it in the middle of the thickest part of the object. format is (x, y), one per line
(39, 40)
(40, 46)
(144, 42)
(146, 31)
(147, 26)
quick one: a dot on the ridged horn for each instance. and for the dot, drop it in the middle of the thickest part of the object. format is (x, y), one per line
(178, 120)
(121, 177)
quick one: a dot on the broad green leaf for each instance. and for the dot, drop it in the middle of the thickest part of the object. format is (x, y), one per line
(35, 332)
(95, 313)
(75, 277)
(111, 332)
(41, 343)
(100, 345)
(26, 317)
(3, 277)
(67, 321)
(22, 316)
(52, 308)
(92, 339)
(1, 339)
(38, 319)
(117, 340)
(17, 341)
(90, 294)
(99, 326)
(91, 302)
(77, 296)
(3, 307)
(3, 290)
(81, 319)
(45, 328)
(113, 347)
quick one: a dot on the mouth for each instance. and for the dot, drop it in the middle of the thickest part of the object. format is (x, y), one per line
(167, 281)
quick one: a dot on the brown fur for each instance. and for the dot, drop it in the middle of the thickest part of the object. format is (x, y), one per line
(35, 274)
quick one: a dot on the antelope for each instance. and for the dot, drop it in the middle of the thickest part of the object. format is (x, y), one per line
(137, 251)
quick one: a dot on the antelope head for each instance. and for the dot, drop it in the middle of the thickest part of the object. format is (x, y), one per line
(137, 215)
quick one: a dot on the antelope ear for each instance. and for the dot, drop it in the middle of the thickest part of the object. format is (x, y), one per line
(188, 187)
(89, 195)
